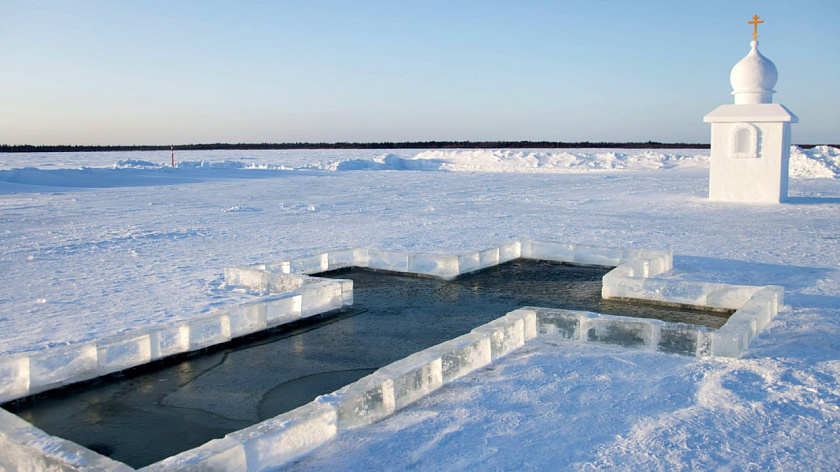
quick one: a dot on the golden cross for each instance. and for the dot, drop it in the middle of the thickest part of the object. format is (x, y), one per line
(755, 23)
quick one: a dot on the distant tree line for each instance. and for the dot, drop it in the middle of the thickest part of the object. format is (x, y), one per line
(382, 145)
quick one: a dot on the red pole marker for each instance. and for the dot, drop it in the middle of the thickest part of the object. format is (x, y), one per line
(172, 149)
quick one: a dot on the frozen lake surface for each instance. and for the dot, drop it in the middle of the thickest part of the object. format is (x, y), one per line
(95, 251)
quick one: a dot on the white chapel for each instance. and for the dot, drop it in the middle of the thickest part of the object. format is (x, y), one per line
(751, 139)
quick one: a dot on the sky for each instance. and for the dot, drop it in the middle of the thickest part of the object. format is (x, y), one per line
(163, 72)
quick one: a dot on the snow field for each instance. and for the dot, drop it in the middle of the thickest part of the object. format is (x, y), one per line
(85, 261)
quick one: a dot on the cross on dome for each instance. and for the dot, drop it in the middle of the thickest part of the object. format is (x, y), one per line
(755, 23)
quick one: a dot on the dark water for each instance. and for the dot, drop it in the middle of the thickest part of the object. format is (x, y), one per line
(145, 416)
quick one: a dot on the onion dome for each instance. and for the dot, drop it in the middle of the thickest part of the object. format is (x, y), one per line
(753, 78)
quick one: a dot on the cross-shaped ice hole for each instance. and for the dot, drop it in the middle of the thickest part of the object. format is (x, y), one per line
(142, 418)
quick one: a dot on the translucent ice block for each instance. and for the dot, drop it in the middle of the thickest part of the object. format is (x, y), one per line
(488, 258)
(678, 338)
(361, 257)
(25, 447)
(394, 261)
(560, 324)
(525, 248)
(660, 263)
(320, 297)
(261, 280)
(777, 292)
(755, 311)
(734, 336)
(363, 401)
(675, 291)
(764, 306)
(14, 377)
(704, 342)
(414, 376)
(286, 437)
(621, 331)
(311, 265)
(246, 319)
(592, 255)
(463, 355)
(548, 251)
(628, 255)
(341, 258)
(169, 339)
(637, 268)
(617, 286)
(468, 262)
(729, 296)
(729, 343)
(346, 292)
(279, 267)
(53, 367)
(742, 321)
(248, 277)
(281, 283)
(529, 320)
(624, 270)
(216, 455)
(509, 251)
(123, 351)
(443, 266)
(209, 330)
(282, 309)
(506, 335)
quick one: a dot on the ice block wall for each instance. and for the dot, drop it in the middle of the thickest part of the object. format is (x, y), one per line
(449, 266)
(754, 306)
(288, 293)
(558, 325)
(730, 340)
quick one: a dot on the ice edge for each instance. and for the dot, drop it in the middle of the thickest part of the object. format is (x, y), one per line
(290, 293)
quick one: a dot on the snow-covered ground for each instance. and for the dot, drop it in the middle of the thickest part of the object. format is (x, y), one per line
(98, 243)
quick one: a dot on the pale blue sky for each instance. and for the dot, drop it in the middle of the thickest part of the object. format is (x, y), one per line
(160, 72)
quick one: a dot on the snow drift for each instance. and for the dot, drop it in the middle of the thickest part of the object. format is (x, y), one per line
(819, 162)
(822, 162)
(527, 161)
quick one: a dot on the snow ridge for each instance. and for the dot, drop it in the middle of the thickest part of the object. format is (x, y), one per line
(526, 161)
(821, 162)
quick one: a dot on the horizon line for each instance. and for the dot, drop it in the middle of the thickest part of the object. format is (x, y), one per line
(431, 144)
(428, 144)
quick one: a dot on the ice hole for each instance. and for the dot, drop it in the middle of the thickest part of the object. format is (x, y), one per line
(147, 414)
